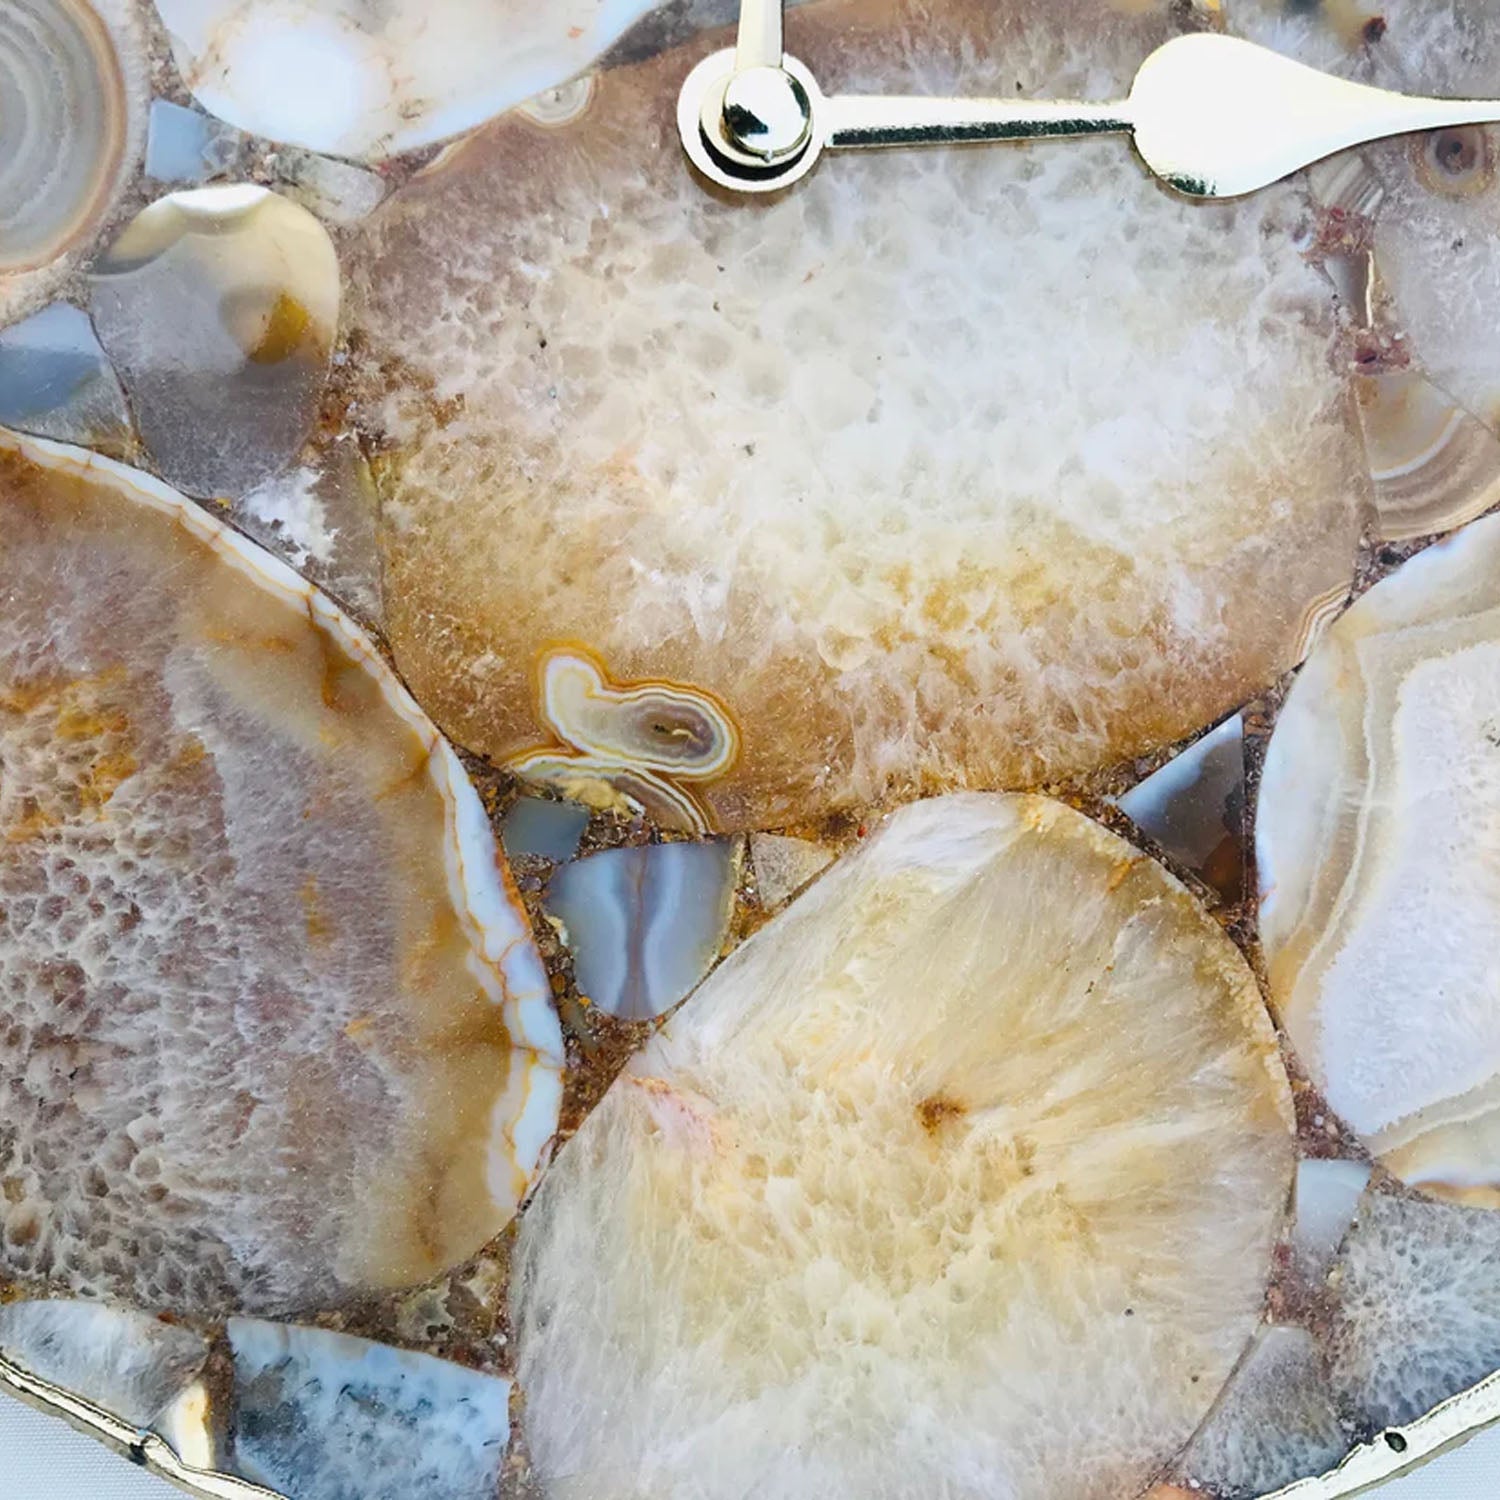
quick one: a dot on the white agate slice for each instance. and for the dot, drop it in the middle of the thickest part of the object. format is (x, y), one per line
(323, 1416)
(137, 1368)
(1378, 839)
(219, 307)
(367, 79)
(948, 469)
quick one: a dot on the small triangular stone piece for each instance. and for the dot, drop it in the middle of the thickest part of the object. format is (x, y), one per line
(1193, 807)
(57, 382)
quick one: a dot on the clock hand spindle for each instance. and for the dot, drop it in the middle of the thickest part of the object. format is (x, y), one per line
(1212, 116)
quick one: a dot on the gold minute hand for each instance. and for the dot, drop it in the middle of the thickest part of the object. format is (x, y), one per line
(1212, 116)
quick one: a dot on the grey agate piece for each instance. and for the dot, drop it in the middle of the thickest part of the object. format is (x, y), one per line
(323, 1416)
(56, 382)
(645, 924)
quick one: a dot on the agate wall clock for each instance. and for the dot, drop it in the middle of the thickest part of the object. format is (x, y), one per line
(749, 755)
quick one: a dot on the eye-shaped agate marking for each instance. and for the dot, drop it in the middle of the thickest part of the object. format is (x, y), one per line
(640, 738)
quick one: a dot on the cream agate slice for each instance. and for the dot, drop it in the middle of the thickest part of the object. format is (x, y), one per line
(273, 1030)
(1379, 864)
(368, 78)
(960, 1178)
(73, 81)
(947, 468)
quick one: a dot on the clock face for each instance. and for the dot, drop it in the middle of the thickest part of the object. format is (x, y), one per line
(657, 841)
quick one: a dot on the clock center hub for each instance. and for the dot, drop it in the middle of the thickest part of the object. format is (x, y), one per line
(767, 113)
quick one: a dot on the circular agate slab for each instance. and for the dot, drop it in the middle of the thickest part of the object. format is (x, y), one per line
(948, 468)
(1378, 837)
(272, 1027)
(73, 84)
(960, 1178)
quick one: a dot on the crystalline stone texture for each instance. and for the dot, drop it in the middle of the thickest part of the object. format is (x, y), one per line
(326, 1417)
(273, 1029)
(967, 1174)
(1418, 1289)
(917, 514)
(1377, 848)
(961, 1178)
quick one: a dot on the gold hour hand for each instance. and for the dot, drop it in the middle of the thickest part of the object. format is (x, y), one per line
(1212, 116)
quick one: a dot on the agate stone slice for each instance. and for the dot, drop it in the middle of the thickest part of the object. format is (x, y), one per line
(272, 1027)
(138, 1369)
(1378, 836)
(219, 308)
(72, 125)
(960, 1178)
(357, 78)
(322, 1416)
(948, 468)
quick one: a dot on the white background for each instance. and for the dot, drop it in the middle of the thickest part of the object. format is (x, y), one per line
(42, 1458)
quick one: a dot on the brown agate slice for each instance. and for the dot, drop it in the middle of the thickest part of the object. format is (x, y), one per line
(272, 1028)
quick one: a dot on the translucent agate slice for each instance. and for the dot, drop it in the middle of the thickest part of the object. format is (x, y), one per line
(544, 830)
(1379, 862)
(1418, 1307)
(56, 382)
(366, 79)
(1194, 807)
(219, 307)
(187, 147)
(645, 924)
(1275, 1422)
(950, 468)
(72, 125)
(784, 865)
(960, 1178)
(272, 1027)
(1327, 1195)
(322, 1416)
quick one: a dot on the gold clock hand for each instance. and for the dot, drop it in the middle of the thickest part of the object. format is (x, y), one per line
(758, 42)
(1212, 116)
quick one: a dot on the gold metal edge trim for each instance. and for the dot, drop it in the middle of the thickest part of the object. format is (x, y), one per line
(141, 1446)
